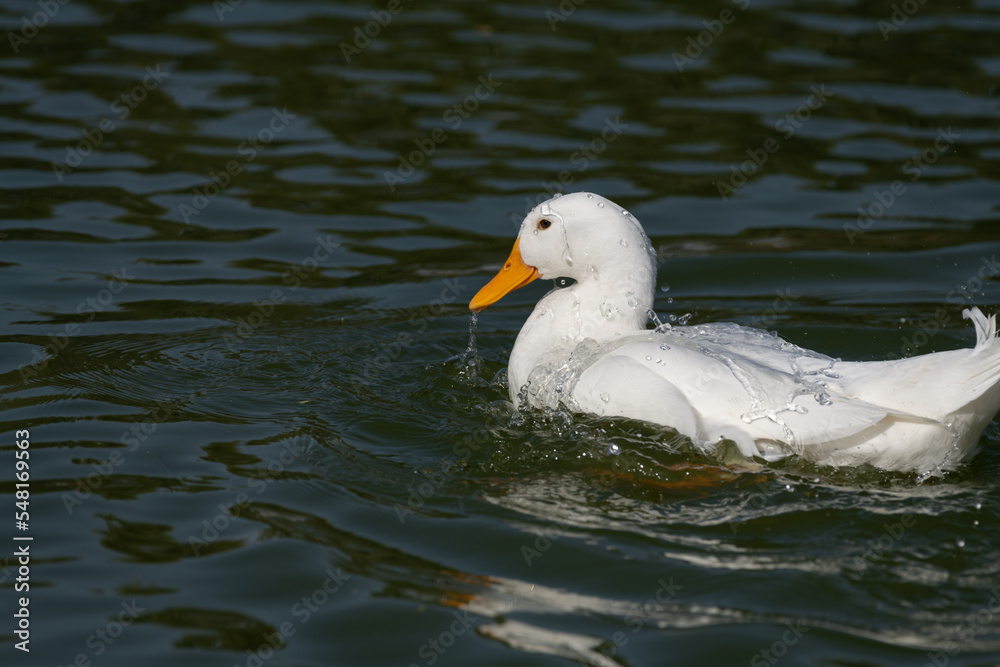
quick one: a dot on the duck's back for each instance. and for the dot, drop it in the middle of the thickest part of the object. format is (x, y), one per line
(772, 398)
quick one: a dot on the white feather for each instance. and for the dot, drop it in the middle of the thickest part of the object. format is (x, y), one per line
(587, 346)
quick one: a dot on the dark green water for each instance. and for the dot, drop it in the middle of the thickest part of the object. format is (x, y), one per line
(237, 240)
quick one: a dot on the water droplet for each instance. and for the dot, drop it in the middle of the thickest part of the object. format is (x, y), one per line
(649, 358)
(614, 449)
(590, 196)
(605, 397)
(664, 347)
(960, 543)
(670, 299)
(632, 302)
(626, 213)
(978, 506)
(665, 287)
(600, 204)
(823, 398)
(684, 319)
(567, 257)
(623, 242)
(535, 232)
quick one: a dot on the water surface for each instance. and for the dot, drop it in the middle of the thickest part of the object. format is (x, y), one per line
(237, 241)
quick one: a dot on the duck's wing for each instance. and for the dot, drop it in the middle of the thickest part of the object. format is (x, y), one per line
(768, 403)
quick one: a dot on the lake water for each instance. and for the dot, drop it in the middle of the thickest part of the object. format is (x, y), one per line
(237, 243)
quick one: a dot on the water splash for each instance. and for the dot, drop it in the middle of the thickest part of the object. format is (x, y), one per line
(567, 257)
(469, 361)
(936, 471)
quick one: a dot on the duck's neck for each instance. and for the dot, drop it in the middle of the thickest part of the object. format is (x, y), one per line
(566, 317)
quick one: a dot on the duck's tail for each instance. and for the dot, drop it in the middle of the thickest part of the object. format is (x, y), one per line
(986, 327)
(936, 385)
(984, 366)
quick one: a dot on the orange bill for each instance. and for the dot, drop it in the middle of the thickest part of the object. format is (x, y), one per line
(514, 274)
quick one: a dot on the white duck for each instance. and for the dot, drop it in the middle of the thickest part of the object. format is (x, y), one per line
(587, 346)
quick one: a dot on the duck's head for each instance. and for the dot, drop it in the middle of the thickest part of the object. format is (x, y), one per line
(582, 236)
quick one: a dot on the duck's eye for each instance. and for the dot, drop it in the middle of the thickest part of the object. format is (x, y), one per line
(544, 224)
